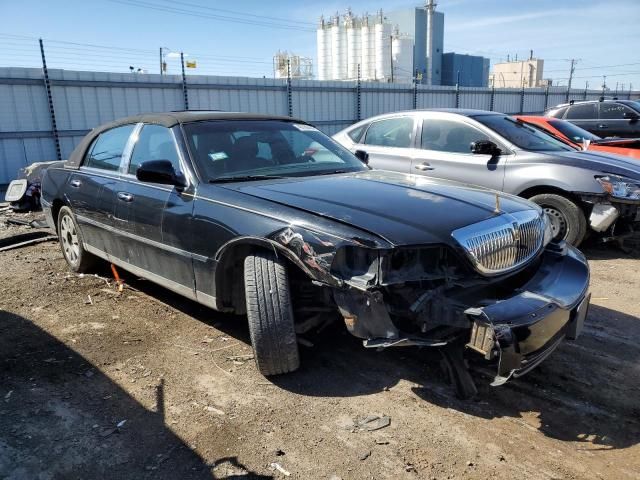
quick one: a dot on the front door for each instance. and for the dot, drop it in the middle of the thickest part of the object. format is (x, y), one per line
(446, 153)
(618, 120)
(153, 219)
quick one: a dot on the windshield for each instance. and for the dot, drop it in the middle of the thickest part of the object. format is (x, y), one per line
(253, 149)
(522, 135)
(573, 132)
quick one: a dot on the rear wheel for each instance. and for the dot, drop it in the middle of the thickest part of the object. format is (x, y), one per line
(567, 219)
(270, 314)
(71, 243)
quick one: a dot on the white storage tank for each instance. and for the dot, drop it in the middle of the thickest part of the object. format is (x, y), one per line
(402, 58)
(354, 53)
(382, 38)
(324, 62)
(366, 44)
(338, 50)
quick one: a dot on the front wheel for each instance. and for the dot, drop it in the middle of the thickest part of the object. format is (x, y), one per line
(270, 314)
(567, 219)
(71, 244)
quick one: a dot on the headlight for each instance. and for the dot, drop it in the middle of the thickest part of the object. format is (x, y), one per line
(548, 231)
(504, 242)
(620, 187)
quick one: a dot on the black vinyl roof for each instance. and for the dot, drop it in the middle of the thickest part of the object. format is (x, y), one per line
(167, 119)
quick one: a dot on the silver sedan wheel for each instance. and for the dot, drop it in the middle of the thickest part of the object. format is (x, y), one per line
(69, 239)
(558, 222)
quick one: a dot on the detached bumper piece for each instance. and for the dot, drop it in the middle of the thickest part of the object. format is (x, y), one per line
(521, 331)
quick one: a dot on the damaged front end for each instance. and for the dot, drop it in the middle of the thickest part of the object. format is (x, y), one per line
(502, 290)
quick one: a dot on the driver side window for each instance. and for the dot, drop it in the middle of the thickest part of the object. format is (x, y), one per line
(155, 142)
(449, 136)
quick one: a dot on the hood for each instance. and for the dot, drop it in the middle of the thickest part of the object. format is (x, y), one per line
(402, 209)
(600, 162)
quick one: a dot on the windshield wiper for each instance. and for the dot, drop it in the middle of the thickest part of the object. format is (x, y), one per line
(244, 178)
(330, 172)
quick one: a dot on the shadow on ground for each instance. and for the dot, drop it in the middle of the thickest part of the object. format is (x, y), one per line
(59, 417)
(585, 391)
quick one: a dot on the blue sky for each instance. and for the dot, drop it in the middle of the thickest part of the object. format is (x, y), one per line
(604, 35)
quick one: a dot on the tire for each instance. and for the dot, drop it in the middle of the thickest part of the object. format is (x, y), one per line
(270, 314)
(567, 218)
(71, 243)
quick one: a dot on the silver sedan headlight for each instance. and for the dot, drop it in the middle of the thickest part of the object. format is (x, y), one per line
(620, 187)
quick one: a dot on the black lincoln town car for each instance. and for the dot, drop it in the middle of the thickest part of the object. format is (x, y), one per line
(267, 217)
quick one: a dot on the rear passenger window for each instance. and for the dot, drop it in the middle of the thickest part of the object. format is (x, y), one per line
(393, 132)
(107, 149)
(356, 133)
(154, 143)
(584, 111)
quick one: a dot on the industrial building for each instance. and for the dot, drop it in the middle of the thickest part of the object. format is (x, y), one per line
(518, 74)
(400, 46)
(288, 64)
(464, 70)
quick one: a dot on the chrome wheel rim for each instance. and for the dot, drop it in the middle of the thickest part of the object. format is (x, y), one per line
(558, 222)
(69, 240)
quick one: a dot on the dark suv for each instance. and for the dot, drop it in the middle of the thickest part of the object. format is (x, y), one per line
(606, 118)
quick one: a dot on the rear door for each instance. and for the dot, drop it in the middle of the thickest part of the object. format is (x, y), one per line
(585, 115)
(91, 188)
(390, 143)
(446, 153)
(153, 220)
(618, 120)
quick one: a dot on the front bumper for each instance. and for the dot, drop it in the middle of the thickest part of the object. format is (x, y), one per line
(521, 331)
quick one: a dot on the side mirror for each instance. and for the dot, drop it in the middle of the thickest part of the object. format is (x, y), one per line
(630, 115)
(363, 156)
(485, 147)
(160, 171)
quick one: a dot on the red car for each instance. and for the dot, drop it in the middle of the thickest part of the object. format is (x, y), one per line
(576, 136)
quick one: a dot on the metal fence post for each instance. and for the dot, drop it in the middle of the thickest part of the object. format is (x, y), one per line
(457, 95)
(289, 93)
(492, 98)
(184, 84)
(584, 95)
(358, 100)
(52, 112)
(522, 100)
(415, 93)
(546, 97)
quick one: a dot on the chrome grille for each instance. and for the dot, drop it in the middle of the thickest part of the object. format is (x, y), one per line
(503, 243)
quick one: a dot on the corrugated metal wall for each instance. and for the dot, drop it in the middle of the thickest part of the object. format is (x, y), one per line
(83, 100)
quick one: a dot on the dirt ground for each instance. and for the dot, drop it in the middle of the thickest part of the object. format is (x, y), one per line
(145, 384)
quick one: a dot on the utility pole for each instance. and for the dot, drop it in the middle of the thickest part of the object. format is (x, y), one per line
(571, 70)
(160, 60)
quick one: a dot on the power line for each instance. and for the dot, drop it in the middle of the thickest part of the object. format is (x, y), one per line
(192, 13)
(206, 7)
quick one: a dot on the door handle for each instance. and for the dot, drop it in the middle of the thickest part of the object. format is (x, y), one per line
(602, 125)
(75, 183)
(424, 166)
(125, 197)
